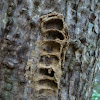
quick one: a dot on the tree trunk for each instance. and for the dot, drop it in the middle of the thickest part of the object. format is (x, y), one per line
(20, 39)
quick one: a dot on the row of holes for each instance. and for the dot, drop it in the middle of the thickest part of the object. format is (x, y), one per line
(49, 47)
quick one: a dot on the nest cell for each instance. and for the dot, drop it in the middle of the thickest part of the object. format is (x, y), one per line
(54, 34)
(46, 72)
(53, 24)
(51, 47)
(48, 83)
(49, 60)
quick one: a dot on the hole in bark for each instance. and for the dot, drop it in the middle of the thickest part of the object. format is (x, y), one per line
(54, 24)
(51, 46)
(49, 60)
(46, 72)
(17, 35)
(52, 35)
(47, 82)
(83, 40)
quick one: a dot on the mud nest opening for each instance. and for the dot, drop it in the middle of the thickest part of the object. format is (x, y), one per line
(49, 60)
(53, 24)
(52, 35)
(46, 72)
(47, 82)
(49, 91)
(51, 47)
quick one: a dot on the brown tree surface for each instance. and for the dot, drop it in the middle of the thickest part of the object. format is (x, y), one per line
(20, 35)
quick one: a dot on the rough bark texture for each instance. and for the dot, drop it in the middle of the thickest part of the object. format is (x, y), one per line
(19, 47)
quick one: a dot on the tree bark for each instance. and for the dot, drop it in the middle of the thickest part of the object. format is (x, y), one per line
(20, 34)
